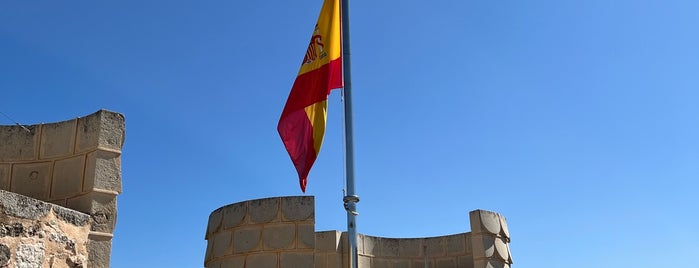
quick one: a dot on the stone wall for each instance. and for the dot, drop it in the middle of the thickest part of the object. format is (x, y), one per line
(36, 234)
(280, 232)
(75, 164)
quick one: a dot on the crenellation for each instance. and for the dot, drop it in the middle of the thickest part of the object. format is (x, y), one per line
(18, 143)
(264, 210)
(234, 214)
(57, 139)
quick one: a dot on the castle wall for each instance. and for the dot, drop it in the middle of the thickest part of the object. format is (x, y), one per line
(279, 232)
(75, 164)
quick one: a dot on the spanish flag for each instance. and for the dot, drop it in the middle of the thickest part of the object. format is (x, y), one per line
(302, 124)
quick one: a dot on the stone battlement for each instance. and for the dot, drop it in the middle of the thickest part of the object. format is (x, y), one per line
(280, 232)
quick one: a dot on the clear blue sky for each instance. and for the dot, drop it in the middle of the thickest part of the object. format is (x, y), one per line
(577, 120)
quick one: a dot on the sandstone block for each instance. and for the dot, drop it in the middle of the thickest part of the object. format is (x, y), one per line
(456, 244)
(233, 215)
(389, 247)
(246, 240)
(214, 222)
(98, 252)
(306, 236)
(58, 139)
(446, 263)
(364, 261)
(400, 263)
(298, 208)
(381, 263)
(68, 177)
(435, 246)
(279, 236)
(465, 261)
(103, 171)
(327, 241)
(32, 179)
(222, 244)
(5, 176)
(368, 245)
(18, 144)
(264, 210)
(233, 262)
(410, 247)
(262, 260)
(101, 207)
(103, 129)
(320, 260)
(296, 260)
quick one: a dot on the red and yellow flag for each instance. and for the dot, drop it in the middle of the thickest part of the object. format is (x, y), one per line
(302, 124)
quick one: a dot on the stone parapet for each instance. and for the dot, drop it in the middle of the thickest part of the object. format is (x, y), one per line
(279, 232)
(75, 164)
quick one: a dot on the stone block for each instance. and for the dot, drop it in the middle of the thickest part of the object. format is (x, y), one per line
(5, 172)
(320, 260)
(364, 262)
(456, 244)
(68, 177)
(214, 222)
(101, 207)
(483, 246)
(30, 255)
(58, 139)
(410, 247)
(306, 236)
(502, 250)
(380, 263)
(334, 260)
(262, 260)
(33, 180)
(435, 246)
(246, 240)
(505, 232)
(327, 241)
(98, 253)
(369, 245)
(295, 260)
(486, 263)
(446, 263)
(421, 263)
(484, 221)
(400, 263)
(71, 216)
(18, 144)
(298, 208)
(234, 214)
(209, 251)
(264, 210)
(389, 247)
(279, 236)
(233, 262)
(222, 244)
(103, 129)
(103, 171)
(465, 261)
(22, 206)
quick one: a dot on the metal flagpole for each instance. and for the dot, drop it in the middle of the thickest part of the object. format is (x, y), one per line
(350, 199)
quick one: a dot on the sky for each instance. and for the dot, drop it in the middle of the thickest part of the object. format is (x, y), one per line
(576, 120)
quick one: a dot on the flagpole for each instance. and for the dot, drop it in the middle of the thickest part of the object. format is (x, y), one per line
(350, 199)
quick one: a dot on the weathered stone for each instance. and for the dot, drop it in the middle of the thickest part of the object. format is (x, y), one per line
(490, 221)
(103, 129)
(4, 255)
(363, 261)
(381, 263)
(505, 232)
(400, 263)
(263, 210)
(389, 247)
(446, 263)
(100, 206)
(320, 260)
(502, 250)
(99, 253)
(369, 245)
(22, 206)
(279, 236)
(214, 222)
(222, 244)
(465, 261)
(57, 139)
(409, 247)
(327, 241)
(30, 255)
(306, 236)
(298, 208)
(71, 216)
(246, 240)
(5, 176)
(234, 214)
(262, 260)
(68, 177)
(456, 244)
(19, 144)
(296, 260)
(435, 246)
(103, 171)
(32, 180)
